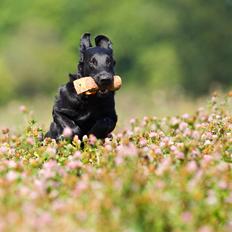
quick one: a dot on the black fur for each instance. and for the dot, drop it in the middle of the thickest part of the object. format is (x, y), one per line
(87, 114)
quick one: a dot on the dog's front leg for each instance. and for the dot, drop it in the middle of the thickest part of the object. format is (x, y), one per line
(62, 122)
(103, 127)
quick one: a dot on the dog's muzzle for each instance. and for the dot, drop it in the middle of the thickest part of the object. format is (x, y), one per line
(104, 80)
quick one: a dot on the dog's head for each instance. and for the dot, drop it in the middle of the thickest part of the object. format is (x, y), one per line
(98, 61)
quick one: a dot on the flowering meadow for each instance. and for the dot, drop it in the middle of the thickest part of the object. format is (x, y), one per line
(159, 174)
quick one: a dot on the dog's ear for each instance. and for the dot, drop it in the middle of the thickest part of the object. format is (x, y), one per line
(84, 44)
(103, 41)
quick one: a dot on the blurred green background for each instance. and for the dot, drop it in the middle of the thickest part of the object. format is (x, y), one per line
(180, 49)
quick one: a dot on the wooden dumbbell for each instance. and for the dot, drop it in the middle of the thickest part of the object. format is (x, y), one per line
(87, 85)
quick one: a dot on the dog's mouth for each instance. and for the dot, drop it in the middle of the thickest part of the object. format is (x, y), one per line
(103, 91)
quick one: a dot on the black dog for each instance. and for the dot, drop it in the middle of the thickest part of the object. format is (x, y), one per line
(87, 114)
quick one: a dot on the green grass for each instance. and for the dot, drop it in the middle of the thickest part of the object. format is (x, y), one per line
(130, 102)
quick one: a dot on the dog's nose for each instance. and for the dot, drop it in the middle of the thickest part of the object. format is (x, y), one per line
(105, 80)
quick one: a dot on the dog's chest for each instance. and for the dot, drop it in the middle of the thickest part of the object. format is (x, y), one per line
(93, 109)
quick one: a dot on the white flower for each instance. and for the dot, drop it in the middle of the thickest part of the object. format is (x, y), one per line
(67, 132)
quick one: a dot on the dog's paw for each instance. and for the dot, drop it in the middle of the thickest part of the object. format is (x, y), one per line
(77, 131)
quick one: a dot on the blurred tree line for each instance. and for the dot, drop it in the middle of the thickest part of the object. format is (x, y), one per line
(179, 44)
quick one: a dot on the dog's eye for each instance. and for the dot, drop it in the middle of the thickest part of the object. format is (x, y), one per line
(108, 61)
(93, 62)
